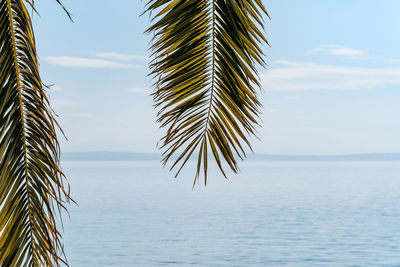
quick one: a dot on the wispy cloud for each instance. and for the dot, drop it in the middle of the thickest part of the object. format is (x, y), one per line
(393, 60)
(270, 109)
(298, 76)
(121, 57)
(56, 88)
(341, 51)
(64, 103)
(82, 62)
(83, 115)
(139, 90)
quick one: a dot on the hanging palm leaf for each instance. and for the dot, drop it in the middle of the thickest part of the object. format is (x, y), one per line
(205, 54)
(32, 189)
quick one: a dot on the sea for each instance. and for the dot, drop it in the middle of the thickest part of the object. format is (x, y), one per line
(135, 213)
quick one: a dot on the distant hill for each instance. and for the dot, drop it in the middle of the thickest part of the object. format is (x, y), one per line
(350, 157)
(128, 156)
(108, 156)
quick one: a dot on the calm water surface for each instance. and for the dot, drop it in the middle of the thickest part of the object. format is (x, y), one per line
(272, 214)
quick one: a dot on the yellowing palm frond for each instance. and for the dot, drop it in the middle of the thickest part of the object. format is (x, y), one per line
(32, 187)
(205, 57)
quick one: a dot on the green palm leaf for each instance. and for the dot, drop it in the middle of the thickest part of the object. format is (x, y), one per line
(205, 56)
(32, 189)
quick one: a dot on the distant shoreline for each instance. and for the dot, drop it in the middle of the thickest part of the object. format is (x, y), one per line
(134, 156)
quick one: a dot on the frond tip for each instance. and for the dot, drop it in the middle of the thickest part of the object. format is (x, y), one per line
(205, 57)
(32, 185)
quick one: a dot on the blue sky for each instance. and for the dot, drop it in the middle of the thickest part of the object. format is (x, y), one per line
(331, 87)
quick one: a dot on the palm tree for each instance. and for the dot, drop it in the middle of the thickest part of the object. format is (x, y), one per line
(205, 57)
(205, 54)
(32, 185)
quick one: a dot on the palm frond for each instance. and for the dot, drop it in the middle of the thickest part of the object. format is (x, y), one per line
(205, 54)
(65, 10)
(32, 185)
(31, 3)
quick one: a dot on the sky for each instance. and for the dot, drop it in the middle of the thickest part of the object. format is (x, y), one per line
(332, 84)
